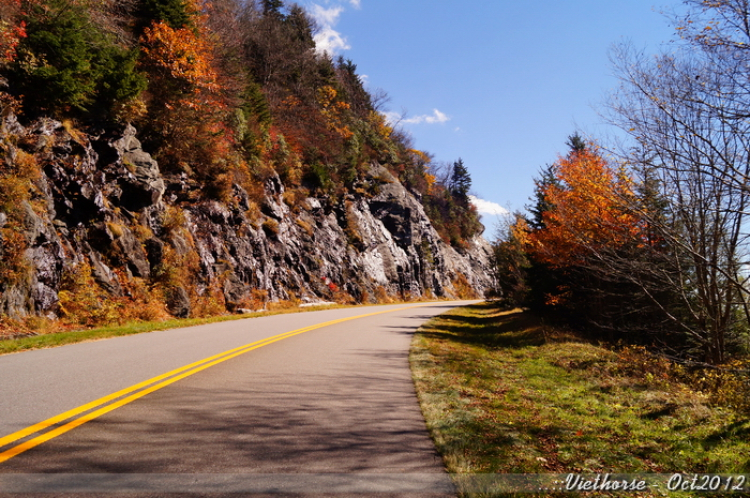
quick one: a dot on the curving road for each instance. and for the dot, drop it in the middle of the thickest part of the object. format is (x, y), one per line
(314, 403)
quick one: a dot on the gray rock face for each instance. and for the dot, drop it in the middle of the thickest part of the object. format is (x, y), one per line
(141, 182)
(103, 201)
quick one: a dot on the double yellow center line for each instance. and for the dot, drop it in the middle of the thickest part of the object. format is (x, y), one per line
(60, 424)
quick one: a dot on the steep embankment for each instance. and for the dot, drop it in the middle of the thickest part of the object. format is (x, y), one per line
(101, 222)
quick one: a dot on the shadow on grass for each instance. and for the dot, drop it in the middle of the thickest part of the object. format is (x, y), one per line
(738, 430)
(488, 326)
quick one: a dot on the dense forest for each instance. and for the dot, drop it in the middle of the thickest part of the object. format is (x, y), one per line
(235, 103)
(646, 241)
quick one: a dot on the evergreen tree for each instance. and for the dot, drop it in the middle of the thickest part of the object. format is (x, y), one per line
(547, 180)
(173, 12)
(540, 204)
(69, 66)
(576, 143)
(272, 8)
(301, 26)
(356, 95)
(460, 183)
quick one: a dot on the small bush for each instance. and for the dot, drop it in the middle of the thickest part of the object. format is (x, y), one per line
(305, 226)
(210, 303)
(25, 327)
(343, 297)
(172, 219)
(364, 297)
(271, 227)
(256, 301)
(295, 198)
(83, 302)
(727, 385)
(281, 305)
(352, 230)
(253, 212)
(381, 295)
(462, 288)
(114, 229)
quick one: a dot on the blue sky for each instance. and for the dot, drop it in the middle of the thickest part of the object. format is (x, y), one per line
(500, 84)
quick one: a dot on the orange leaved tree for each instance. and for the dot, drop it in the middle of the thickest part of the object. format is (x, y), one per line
(588, 210)
(586, 239)
(187, 110)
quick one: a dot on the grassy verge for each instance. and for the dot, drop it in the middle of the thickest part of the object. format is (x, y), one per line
(70, 337)
(504, 394)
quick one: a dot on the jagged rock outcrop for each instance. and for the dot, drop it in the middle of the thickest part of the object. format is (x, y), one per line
(102, 201)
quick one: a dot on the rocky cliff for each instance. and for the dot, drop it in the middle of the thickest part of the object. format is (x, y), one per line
(99, 206)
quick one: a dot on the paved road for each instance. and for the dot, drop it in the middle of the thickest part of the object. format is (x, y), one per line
(330, 411)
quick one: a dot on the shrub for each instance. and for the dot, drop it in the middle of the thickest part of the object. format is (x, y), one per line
(319, 178)
(271, 227)
(727, 385)
(83, 302)
(381, 295)
(18, 170)
(256, 301)
(172, 219)
(463, 288)
(364, 296)
(352, 230)
(343, 297)
(210, 303)
(305, 226)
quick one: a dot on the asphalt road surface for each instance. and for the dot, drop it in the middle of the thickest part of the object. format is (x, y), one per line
(276, 406)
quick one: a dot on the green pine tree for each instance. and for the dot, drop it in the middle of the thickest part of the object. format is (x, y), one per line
(460, 183)
(68, 66)
(172, 12)
(576, 143)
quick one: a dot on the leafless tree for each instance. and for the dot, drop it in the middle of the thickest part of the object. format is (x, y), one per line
(687, 113)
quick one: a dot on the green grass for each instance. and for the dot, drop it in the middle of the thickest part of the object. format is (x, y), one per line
(70, 337)
(502, 393)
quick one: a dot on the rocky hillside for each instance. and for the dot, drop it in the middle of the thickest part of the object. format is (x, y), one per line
(193, 157)
(98, 229)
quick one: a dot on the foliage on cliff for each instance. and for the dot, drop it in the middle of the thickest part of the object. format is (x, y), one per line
(222, 91)
(192, 157)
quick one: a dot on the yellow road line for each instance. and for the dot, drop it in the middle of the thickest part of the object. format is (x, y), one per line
(75, 411)
(158, 383)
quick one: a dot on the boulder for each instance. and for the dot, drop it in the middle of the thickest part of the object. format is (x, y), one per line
(141, 182)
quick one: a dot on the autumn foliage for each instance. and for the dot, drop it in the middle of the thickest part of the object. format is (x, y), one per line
(12, 29)
(575, 260)
(179, 62)
(230, 97)
(589, 211)
(224, 92)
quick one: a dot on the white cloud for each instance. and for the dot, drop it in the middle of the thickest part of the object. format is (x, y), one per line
(356, 3)
(326, 17)
(327, 39)
(436, 117)
(488, 207)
